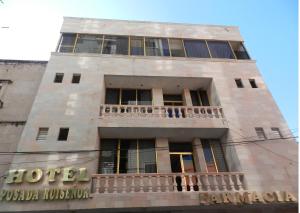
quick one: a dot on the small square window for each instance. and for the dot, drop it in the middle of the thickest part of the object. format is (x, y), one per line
(276, 132)
(239, 83)
(42, 134)
(260, 133)
(58, 77)
(63, 134)
(252, 83)
(76, 78)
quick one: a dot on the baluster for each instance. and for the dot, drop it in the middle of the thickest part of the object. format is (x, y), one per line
(158, 183)
(199, 183)
(214, 185)
(231, 182)
(175, 184)
(132, 186)
(114, 187)
(98, 185)
(150, 186)
(167, 112)
(167, 183)
(238, 182)
(141, 189)
(191, 182)
(179, 112)
(222, 182)
(183, 183)
(106, 184)
(221, 112)
(124, 184)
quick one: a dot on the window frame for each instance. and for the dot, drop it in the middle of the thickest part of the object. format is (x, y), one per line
(60, 132)
(57, 75)
(74, 76)
(120, 90)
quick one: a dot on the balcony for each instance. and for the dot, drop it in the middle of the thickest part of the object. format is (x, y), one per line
(171, 182)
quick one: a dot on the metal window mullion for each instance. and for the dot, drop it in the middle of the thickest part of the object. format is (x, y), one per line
(213, 154)
(77, 34)
(185, 55)
(170, 52)
(118, 156)
(102, 45)
(208, 48)
(232, 50)
(129, 47)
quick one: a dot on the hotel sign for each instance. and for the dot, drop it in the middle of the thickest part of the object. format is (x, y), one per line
(51, 175)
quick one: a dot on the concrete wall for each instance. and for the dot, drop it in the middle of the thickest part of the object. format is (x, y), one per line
(21, 80)
(270, 165)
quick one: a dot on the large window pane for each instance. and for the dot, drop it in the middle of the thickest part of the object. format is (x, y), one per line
(208, 155)
(108, 156)
(112, 96)
(220, 49)
(128, 156)
(144, 97)
(128, 97)
(115, 45)
(136, 46)
(147, 156)
(157, 47)
(196, 48)
(180, 147)
(195, 98)
(67, 42)
(204, 98)
(176, 48)
(239, 50)
(219, 155)
(88, 44)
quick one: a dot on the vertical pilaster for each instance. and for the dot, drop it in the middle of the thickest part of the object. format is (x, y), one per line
(198, 155)
(157, 97)
(163, 155)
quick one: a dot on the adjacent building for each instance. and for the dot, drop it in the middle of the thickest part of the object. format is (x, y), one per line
(133, 116)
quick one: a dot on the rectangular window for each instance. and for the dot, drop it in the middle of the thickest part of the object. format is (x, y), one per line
(58, 78)
(176, 48)
(112, 96)
(252, 83)
(214, 156)
(42, 134)
(260, 133)
(115, 45)
(173, 100)
(196, 48)
(199, 98)
(239, 83)
(157, 47)
(127, 156)
(220, 49)
(76, 78)
(67, 43)
(239, 50)
(128, 97)
(144, 97)
(136, 46)
(276, 132)
(63, 134)
(88, 43)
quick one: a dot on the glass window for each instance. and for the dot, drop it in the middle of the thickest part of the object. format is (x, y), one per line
(144, 97)
(199, 98)
(220, 49)
(252, 83)
(128, 156)
(58, 78)
(180, 147)
(128, 97)
(42, 134)
(112, 96)
(76, 78)
(239, 50)
(115, 45)
(67, 42)
(176, 47)
(195, 98)
(109, 153)
(88, 44)
(63, 134)
(147, 156)
(214, 156)
(203, 98)
(157, 47)
(196, 48)
(136, 46)
(239, 83)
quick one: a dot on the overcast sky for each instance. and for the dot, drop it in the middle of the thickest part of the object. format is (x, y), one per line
(29, 29)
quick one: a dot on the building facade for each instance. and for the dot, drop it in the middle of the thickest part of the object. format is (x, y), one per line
(143, 116)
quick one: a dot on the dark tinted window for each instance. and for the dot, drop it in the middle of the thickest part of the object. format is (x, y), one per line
(144, 97)
(76, 78)
(176, 48)
(63, 134)
(67, 42)
(196, 48)
(181, 147)
(157, 47)
(136, 46)
(115, 45)
(88, 44)
(220, 49)
(112, 96)
(239, 83)
(58, 77)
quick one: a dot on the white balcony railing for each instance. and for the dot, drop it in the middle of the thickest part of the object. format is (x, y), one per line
(161, 111)
(172, 182)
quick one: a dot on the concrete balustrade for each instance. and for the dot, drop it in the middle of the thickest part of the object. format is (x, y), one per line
(168, 182)
(173, 112)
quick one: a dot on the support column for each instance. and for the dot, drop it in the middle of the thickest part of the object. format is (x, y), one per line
(187, 97)
(163, 155)
(157, 97)
(198, 155)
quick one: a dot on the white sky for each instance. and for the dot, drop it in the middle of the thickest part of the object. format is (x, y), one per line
(30, 25)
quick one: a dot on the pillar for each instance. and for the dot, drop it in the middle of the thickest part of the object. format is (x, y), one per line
(163, 155)
(198, 155)
(187, 97)
(157, 97)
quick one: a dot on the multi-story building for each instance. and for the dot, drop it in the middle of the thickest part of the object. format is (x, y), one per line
(143, 116)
